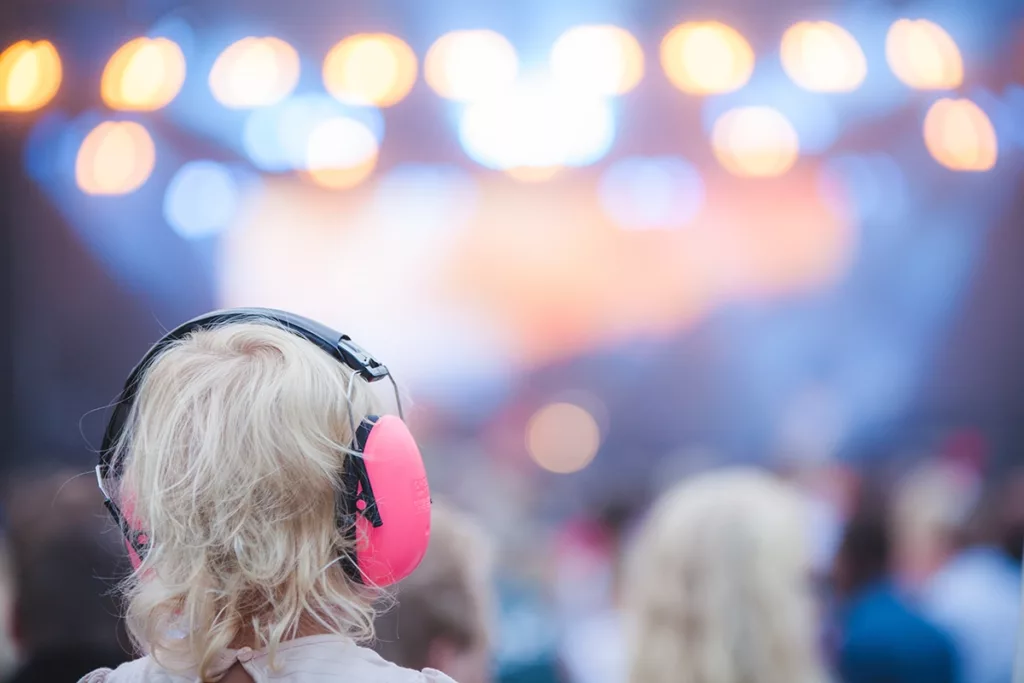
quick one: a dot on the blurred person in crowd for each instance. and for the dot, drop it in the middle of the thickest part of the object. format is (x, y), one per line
(444, 612)
(588, 568)
(236, 461)
(64, 619)
(976, 596)
(930, 507)
(718, 586)
(883, 638)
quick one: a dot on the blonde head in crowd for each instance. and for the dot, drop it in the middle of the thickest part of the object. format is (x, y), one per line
(232, 456)
(444, 608)
(718, 585)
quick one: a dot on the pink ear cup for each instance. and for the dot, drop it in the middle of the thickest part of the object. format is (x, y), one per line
(389, 553)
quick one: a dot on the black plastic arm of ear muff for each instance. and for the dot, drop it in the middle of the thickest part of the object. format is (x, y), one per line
(358, 486)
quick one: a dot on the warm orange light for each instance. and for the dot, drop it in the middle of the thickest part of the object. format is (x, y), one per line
(533, 174)
(600, 60)
(470, 65)
(755, 141)
(377, 69)
(143, 75)
(923, 55)
(823, 57)
(116, 157)
(706, 57)
(340, 153)
(254, 72)
(30, 75)
(563, 437)
(960, 136)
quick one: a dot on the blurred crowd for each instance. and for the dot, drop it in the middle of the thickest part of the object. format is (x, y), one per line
(731, 575)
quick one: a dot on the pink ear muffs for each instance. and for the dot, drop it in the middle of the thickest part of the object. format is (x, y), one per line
(388, 553)
(385, 507)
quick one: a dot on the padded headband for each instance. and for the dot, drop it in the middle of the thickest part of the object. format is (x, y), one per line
(340, 346)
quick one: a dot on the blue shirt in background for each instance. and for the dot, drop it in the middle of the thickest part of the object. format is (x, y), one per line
(885, 640)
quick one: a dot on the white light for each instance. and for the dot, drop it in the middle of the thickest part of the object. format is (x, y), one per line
(201, 200)
(537, 125)
(470, 65)
(340, 143)
(651, 192)
(254, 72)
(600, 60)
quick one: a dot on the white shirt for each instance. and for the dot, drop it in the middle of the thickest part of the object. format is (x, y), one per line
(314, 659)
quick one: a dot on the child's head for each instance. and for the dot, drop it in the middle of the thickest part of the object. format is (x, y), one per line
(232, 458)
(719, 587)
(443, 616)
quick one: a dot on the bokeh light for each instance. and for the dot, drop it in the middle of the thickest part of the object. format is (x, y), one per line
(254, 72)
(960, 136)
(30, 75)
(470, 65)
(201, 199)
(923, 55)
(823, 57)
(651, 192)
(755, 141)
(376, 68)
(562, 437)
(115, 158)
(341, 153)
(706, 57)
(143, 75)
(537, 125)
(276, 138)
(600, 60)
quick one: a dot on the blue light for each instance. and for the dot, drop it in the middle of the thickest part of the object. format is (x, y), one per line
(201, 199)
(651, 192)
(43, 147)
(1014, 98)
(178, 30)
(259, 139)
(814, 118)
(275, 138)
(873, 184)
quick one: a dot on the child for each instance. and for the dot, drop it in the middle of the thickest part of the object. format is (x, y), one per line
(262, 503)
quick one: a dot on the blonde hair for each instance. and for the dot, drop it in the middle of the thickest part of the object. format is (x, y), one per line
(232, 458)
(717, 586)
(447, 597)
